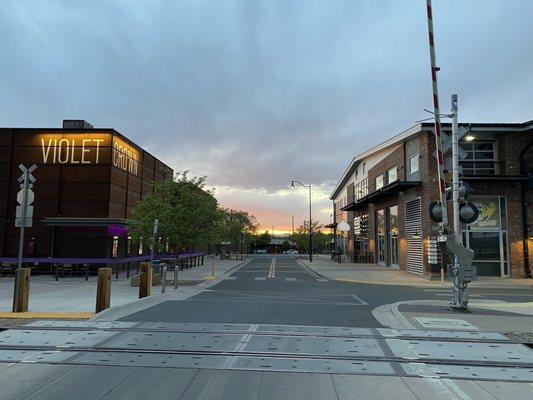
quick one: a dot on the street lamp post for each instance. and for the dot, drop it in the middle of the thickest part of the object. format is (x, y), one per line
(310, 219)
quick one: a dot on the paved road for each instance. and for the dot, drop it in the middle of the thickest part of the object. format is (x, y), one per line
(295, 295)
(271, 330)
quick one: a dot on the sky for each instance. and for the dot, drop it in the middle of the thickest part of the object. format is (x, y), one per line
(255, 93)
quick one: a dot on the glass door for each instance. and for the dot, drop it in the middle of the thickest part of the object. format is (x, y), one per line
(392, 228)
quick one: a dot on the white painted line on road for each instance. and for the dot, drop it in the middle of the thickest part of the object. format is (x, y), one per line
(260, 278)
(291, 279)
(272, 270)
(359, 300)
(322, 280)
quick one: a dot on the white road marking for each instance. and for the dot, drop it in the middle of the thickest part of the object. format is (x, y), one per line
(260, 278)
(322, 280)
(359, 300)
(291, 279)
(272, 270)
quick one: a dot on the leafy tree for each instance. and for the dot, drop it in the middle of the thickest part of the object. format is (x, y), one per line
(262, 240)
(237, 227)
(188, 213)
(320, 239)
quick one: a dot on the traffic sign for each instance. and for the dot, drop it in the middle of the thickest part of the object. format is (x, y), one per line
(28, 224)
(29, 212)
(29, 198)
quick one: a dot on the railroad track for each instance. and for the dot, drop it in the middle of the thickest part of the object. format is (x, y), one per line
(462, 355)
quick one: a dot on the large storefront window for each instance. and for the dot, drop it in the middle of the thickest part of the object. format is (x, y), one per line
(361, 236)
(488, 236)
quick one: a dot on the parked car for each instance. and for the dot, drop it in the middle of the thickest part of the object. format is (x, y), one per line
(293, 252)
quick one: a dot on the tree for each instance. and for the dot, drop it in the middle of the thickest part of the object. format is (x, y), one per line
(320, 239)
(188, 213)
(262, 240)
(237, 227)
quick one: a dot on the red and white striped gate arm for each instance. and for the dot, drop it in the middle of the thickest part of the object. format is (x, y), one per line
(438, 139)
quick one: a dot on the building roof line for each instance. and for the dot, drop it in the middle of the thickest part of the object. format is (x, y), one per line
(404, 135)
(381, 146)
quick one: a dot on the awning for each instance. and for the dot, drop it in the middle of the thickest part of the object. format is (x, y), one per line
(72, 221)
(385, 191)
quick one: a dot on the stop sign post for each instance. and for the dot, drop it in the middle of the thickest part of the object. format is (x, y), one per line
(23, 218)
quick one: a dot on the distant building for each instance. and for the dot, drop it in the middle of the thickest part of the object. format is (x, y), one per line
(88, 182)
(385, 192)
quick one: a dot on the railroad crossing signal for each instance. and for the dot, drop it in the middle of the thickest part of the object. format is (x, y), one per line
(25, 198)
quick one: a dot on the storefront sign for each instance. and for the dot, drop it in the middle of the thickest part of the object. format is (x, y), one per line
(125, 156)
(63, 150)
(489, 212)
(357, 225)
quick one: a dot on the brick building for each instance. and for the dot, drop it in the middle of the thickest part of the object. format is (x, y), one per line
(88, 181)
(385, 193)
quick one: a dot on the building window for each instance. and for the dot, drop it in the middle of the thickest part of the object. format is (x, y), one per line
(413, 164)
(364, 164)
(392, 175)
(379, 181)
(114, 252)
(361, 189)
(128, 247)
(480, 159)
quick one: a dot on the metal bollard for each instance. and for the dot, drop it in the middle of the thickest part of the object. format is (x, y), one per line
(164, 279)
(176, 277)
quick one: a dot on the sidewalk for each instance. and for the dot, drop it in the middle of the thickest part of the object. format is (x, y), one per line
(76, 298)
(379, 275)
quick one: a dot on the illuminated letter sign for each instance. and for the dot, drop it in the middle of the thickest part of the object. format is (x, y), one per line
(63, 150)
(125, 156)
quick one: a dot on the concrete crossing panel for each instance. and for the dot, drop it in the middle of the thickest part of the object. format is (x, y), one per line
(172, 341)
(507, 353)
(332, 346)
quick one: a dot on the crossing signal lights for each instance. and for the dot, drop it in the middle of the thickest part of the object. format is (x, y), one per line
(468, 212)
(435, 211)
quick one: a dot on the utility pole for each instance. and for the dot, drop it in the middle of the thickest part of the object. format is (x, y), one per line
(310, 219)
(310, 229)
(293, 226)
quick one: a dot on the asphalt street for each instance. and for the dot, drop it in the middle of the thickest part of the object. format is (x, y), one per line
(290, 293)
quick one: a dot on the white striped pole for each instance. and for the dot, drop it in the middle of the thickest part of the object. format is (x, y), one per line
(438, 140)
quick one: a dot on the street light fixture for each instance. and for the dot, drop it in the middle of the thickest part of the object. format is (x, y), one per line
(310, 219)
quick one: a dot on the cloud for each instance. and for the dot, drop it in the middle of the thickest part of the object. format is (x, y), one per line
(256, 93)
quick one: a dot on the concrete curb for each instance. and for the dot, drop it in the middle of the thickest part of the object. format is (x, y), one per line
(304, 264)
(437, 284)
(46, 315)
(388, 315)
(182, 293)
